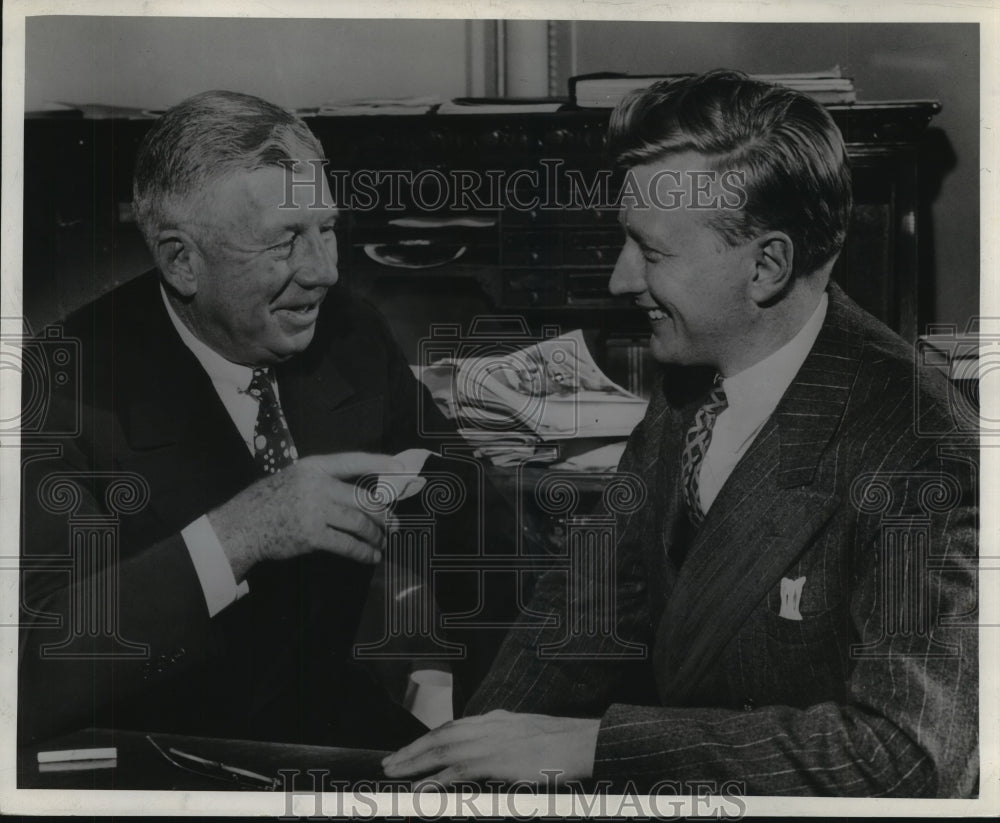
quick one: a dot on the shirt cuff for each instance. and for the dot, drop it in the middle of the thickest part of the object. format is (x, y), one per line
(212, 566)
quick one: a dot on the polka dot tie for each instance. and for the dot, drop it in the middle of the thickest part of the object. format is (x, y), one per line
(696, 443)
(272, 442)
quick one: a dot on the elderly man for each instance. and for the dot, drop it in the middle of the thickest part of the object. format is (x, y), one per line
(802, 575)
(228, 402)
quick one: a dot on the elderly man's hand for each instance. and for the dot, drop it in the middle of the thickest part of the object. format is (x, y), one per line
(503, 746)
(308, 507)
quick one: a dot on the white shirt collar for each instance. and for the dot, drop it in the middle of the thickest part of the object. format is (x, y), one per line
(218, 368)
(755, 391)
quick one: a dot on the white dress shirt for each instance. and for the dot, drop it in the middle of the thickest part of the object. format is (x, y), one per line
(753, 395)
(231, 381)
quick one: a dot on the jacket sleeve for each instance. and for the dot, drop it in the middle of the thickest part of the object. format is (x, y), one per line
(486, 522)
(909, 724)
(580, 679)
(91, 630)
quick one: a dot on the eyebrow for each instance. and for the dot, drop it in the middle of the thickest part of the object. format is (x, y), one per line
(329, 214)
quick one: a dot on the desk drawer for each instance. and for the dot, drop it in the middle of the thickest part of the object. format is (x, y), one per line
(533, 288)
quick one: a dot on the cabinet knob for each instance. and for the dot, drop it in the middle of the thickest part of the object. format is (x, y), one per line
(558, 137)
(436, 140)
(492, 138)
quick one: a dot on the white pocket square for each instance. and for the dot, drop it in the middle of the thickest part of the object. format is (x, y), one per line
(791, 594)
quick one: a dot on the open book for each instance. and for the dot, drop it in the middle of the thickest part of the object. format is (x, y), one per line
(552, 389)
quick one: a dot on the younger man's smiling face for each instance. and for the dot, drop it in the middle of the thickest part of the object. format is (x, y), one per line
(677, 268)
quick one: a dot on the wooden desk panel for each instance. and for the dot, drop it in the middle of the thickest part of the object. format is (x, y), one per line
(549, 266)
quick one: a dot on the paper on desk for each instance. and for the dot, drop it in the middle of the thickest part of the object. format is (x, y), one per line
(552, 388)
(381, 105)
(79, 765)
(408, 482)
(429, 697)
(67, 755)
(605, 458)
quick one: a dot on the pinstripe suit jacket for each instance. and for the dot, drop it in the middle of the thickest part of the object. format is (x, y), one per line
(862, 483)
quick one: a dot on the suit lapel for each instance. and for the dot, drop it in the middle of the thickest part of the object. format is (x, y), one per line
(764, 516)
(334, 393)
(671, 526)
(313, 396)
(180, 436)
(757, 531)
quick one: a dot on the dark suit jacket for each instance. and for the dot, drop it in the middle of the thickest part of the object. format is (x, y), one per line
(271, 665)
(874, 692)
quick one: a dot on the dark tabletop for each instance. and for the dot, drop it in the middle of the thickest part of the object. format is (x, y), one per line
(139, 765)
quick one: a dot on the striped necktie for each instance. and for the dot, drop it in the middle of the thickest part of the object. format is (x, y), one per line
(696, 443)
(272, 442)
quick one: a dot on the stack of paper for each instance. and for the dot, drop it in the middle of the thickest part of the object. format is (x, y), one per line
(380, 105)
(606, 89)
(551, 391)
(501, 105)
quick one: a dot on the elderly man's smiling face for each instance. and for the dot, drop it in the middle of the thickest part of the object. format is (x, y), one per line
(264, 263)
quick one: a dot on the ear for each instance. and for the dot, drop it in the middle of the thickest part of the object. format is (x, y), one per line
(773, 266)
(179, 260)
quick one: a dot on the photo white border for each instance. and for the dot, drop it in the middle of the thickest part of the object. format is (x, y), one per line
(984, 12)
